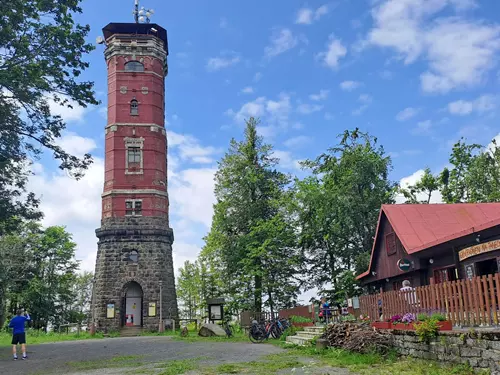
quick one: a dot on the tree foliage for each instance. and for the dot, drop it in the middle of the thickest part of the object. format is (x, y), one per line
(38, 273)
(249, 236)
(41, 60)
(337, 207)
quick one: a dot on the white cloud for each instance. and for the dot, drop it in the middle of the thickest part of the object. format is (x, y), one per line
(366, 100)
(247, 90)
(459, 52)
(334, 52)
(257, 77)
(322, 95)
(224, 61)
(485, 103)
(436, 196)
(407, 114)
(307, 16)
(273, 112)
(76, 145)
(74, 114)
(307, 109)
(297, 142)
(190, 149)
(281, 41)
(423, 127)
(350, 85)
(191, 193)
(286, 160)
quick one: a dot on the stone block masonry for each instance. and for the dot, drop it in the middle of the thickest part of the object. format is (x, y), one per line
(479, 349)
(152, 240)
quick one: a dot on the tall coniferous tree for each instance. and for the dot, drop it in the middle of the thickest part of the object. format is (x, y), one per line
(244, 232)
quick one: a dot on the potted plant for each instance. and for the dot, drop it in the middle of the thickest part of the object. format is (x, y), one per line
(404, 322)
(442, 323)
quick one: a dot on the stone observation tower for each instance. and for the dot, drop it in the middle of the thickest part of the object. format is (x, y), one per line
(134, 277)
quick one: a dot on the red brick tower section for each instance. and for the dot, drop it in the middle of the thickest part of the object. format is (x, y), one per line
(136, 145)
(134, 285)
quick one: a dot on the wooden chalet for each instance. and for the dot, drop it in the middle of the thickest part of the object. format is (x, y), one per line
(433, 243)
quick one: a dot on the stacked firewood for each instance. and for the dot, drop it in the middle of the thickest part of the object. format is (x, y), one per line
(357, 337)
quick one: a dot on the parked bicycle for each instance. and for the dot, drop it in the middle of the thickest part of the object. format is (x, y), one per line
(228, 328)
(260, 332)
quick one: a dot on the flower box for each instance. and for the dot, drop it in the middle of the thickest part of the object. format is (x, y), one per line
(306, 324)
(443, 326)
(382, 325)
(403, 326)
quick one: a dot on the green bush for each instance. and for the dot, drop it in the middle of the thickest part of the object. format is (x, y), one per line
(422, 317)
(300, 319)
(438, 317)
(348, 318)
(290, 331)
(427, 330)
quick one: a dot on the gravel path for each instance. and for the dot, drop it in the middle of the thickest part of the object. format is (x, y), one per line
(53, 358)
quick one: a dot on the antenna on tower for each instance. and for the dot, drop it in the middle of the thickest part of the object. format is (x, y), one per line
(142, 15)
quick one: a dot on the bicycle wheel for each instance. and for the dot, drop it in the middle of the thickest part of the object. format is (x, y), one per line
(256, 335)
(275, 332)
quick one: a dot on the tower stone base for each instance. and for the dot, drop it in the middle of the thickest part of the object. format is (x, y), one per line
(134, 254)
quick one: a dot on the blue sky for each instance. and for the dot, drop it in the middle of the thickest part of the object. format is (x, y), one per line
(417, 74)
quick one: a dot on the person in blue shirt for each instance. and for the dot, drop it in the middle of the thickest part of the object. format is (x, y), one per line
(18, 334)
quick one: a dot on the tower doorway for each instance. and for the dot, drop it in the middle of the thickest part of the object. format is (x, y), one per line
(133, 305)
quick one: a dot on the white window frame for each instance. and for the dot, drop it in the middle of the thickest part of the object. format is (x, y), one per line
(133, 207)
(134, 143)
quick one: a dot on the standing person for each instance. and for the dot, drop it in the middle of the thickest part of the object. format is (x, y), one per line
(18, 333)
(406, 288)
(325, 308)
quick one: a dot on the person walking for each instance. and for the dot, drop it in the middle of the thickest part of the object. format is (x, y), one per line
(18, 334)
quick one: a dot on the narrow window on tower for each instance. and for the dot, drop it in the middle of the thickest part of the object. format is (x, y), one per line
(133, 208)
(134, 66)
(133, 158)
(134, 107)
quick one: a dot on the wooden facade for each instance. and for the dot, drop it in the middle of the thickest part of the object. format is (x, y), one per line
(440, 261)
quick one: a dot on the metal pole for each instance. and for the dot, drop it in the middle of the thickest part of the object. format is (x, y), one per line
(92, 326)
(162, 327)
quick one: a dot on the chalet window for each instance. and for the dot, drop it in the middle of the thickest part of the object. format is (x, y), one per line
(133, 208)
(133, 256)
(444, 275)
(134, 157)
(390, 243)
(134, 107)
(134, 66)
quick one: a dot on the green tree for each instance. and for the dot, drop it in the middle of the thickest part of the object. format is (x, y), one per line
(41, 60)
(189, 289)
(337, 208)
(426, 186)
(79, 307)
(474, 175)
(248, 189)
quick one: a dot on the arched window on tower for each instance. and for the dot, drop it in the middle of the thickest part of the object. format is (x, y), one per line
(134, 107)
(133, 256)
(134, 66)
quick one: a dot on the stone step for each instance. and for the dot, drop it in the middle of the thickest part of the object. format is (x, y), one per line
(301, 341)
(318, 330)
(308, 335)
(130, 331)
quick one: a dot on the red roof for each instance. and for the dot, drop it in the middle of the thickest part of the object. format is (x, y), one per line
(421, 226)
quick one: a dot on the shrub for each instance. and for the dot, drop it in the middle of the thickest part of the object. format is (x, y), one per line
(438, 317)
(290, 331)
(422, 317)
(300, 319)
(348, 318)
(427, 330)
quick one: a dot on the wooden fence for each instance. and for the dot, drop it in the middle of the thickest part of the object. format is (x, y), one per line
(473, 302)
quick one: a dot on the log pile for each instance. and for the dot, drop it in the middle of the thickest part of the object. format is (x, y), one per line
(357, 337)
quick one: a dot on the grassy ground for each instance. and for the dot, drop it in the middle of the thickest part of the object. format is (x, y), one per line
(307, 359)
(36, 337)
